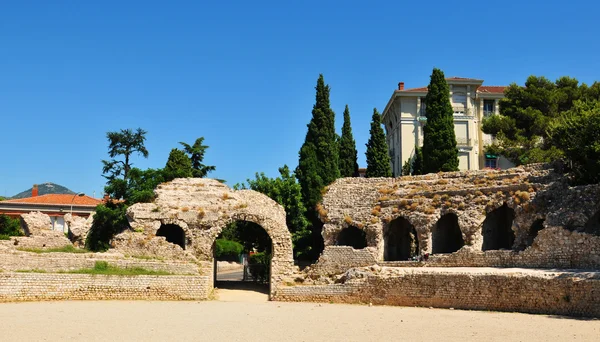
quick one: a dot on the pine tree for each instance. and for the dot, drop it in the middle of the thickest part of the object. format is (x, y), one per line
(318, 157)
(196, 152)
(378, 159)
(348, 155)
(417, 163)
(439, 141)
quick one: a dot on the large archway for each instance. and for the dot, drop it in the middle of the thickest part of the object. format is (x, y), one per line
(173, 234)
(592, 226)
(400, 240)
(353, 237)
(497, 229)
(534, 230)
(446, 235)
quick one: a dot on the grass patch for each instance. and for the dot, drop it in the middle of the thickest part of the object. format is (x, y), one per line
(35, 270)
(4, 237)
(102, 267)
(64, 249)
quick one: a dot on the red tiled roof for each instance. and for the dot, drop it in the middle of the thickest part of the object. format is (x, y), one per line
(491, 89)
(64, 199)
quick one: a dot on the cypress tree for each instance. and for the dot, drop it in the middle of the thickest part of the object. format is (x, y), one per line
(318, 157)
(417, 163)
(348, 154)
(378, 159)
(439, 141)
(178, 165)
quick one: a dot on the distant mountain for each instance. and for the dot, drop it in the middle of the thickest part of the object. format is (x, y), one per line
(44, 189)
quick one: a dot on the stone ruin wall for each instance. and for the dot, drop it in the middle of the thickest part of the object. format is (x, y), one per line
(569, 214)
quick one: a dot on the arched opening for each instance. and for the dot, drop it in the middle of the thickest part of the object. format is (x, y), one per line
(353, 237)
(497, 229)
(446, 235)
(173, 233)
(534, 230)
(400, 241)
(242, 254)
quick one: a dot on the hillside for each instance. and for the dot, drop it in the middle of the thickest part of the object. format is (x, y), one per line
(43, 189)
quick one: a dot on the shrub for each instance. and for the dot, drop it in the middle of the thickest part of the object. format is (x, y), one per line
(10, 226)
(109, 220)
(259, 264)
(228, 250)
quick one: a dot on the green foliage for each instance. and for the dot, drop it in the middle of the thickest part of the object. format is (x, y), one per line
(347, 149)
(122, 144)
(439, 140)
(288, 193)
(104, 268)
(196, 152)
(259, 264)
(228, 250)
(64, 249)
(178, 166)
(249, 234)
(577, 134)
(109, 220)
(141, 184)
(406, 167)
(378, 159)
(318, 156)
(527, 114)
(417, 163)
(4, 237)
(10, 226)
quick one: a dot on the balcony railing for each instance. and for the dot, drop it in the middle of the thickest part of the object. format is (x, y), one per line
(487, 113)
(464, 142)
(460, 110)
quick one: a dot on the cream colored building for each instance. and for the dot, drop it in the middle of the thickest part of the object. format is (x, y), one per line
(404, 117)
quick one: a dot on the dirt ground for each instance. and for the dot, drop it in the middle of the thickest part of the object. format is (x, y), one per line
(245, 315)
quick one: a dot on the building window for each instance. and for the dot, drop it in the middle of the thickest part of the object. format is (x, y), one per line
(423, 111)
(491, 161)
(488, 107)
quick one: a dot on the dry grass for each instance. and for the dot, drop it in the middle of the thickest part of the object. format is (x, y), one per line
(442, 182)
(376, 211)
(322, 211)
(185, 209)
(414, 206)
(429, 211)
(374, 220)
(386, 191)
(201, 213)
(384, 198)
(461, 206)
(348, 219)
(225, 196)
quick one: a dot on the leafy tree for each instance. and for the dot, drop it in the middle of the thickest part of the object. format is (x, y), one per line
(288, 193)
(417, 163)
(178, 166)
(141, 185)
(347, 154)
(10, 226)
(378, 159)
(576, 133)
(122, 144)
(250, 235)
(109, 220)
(406, 167)
(527, 113)
(196, 152)
(318, 157)
(228, 250)
(439, 140)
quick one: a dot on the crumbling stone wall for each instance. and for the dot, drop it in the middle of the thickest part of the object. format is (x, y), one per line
(39, 234)
(79, 227)
(534, 194)
(532, 291)
(202, 208)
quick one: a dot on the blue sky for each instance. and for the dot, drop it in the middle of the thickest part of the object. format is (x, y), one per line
(242, 73)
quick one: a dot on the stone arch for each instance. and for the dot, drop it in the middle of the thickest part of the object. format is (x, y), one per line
(352, 236)
(446, 235)
(534, 230)
(173, 234)
(497, 229)
(401, 240)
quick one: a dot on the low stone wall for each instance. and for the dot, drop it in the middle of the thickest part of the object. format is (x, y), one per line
(57, 262)
(46, 286)
(338, 259)
(531, 291)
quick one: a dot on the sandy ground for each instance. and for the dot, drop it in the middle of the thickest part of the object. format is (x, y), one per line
(248, 317)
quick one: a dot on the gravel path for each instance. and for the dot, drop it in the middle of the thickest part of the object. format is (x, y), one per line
(274, 321)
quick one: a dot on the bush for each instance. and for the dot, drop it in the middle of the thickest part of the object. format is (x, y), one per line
(109, 220)
(259, 264)
(228, 250)
(10, 227)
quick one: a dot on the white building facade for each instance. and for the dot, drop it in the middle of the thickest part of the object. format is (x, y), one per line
(404, 118)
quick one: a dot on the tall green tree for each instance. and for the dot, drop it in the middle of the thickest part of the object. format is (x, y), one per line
(527, 113)
(439, 140)
(178, 165)
(378, 159)
(288, 193)
(318, 156)
(121, 146)
(347, 153)
(417, 163)
(9, 227)
(196, 153)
